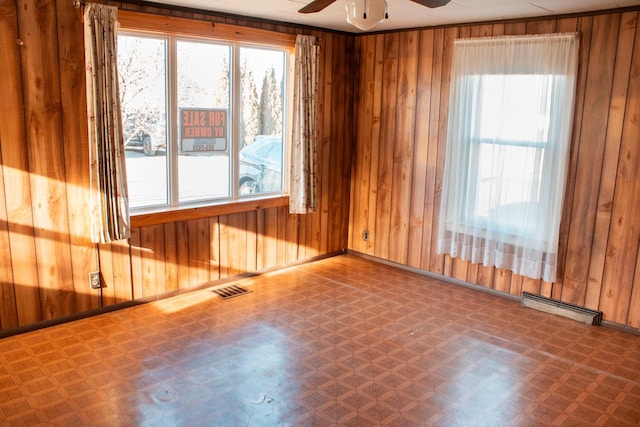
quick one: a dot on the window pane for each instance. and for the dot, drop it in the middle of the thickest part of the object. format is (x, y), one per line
(508, 185)
(262, 120)
(515, 107)
(203, 118)
(142, 72)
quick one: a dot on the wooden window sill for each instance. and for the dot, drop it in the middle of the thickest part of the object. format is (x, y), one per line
(185, 214)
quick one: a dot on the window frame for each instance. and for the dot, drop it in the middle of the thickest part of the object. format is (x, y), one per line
(469, 214)
(143, 24)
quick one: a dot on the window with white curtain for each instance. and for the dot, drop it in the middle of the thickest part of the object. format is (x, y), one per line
(509, 131)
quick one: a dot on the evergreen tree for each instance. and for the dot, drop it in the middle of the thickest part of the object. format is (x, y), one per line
(250, 108)
(270, 105)
(221, 90)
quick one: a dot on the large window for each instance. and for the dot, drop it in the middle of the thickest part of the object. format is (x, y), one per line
(508, 141)
(510, 120)
(204, 121)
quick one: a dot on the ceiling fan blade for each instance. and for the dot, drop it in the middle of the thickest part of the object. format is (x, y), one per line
(431, 3)
(316, 6)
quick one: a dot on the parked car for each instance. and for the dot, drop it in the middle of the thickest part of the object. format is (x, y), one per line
(261, 165)
(141, 139)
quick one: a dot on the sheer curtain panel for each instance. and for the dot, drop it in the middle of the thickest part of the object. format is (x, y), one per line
(509, 131)
(303, 183)
(109, 206)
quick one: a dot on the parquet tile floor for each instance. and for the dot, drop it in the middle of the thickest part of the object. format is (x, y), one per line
(343, 341)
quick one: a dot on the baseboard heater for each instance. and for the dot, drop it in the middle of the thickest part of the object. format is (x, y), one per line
(575, 312)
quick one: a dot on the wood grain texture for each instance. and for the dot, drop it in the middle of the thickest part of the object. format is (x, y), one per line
(590, 154)
(42, 156)
(403, 146)
(386, 143)
(46, 254)
(624, 234)
(43, 113)
(8, 310)
(420, 170)
(13, 153)
(599, 241)
(615, 124)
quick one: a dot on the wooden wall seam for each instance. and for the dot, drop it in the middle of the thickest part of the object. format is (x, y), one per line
(600, 230)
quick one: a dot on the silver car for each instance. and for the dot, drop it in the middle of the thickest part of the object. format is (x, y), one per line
(261, 165)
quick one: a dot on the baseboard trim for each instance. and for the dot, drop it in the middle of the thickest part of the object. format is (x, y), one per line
(446, 279)
(435, 276)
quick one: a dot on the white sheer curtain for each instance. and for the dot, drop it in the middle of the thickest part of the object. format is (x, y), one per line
(303, 183)
(509, 131)
(109, 204)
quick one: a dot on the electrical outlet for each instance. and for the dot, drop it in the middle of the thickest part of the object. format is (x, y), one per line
(365, 235)
(94, 280)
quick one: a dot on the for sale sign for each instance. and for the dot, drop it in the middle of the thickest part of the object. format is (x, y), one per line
(203, 130)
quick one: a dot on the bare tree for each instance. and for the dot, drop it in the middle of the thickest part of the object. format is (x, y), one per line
(141, 66)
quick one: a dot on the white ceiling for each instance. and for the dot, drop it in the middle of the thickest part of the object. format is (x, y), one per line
(403, 13)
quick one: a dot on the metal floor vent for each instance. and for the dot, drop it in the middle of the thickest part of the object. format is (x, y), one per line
(231, 291)
(575, 312)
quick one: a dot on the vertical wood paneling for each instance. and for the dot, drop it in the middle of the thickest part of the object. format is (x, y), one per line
(8, 311)
(281, 239)
(76, 154)
(121, 264)
(634, 306)
(107, 291)
(13, 152)
(269, 250)
(152, 260)
(588, 174)
(260, 241)
(214, 249)
(433, 186)
(293, 222)
(387, 134)
(420, 167)
(624, 233)
(136, 263)
(584, 27)
(171, 256)
(348, 138)
(324, 142)
(236, 244)
(223, 238)
(565, 25)
(337, 131)
(42, 103)
(611, 154)
(199, 246)
(182, 253)
(403, 146)
(376, 112)
(450, 34)
(599, 234)
(251, 249)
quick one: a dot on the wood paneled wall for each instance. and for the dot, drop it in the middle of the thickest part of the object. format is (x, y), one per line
(402, 104)
(45, 249)
(394, 172)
